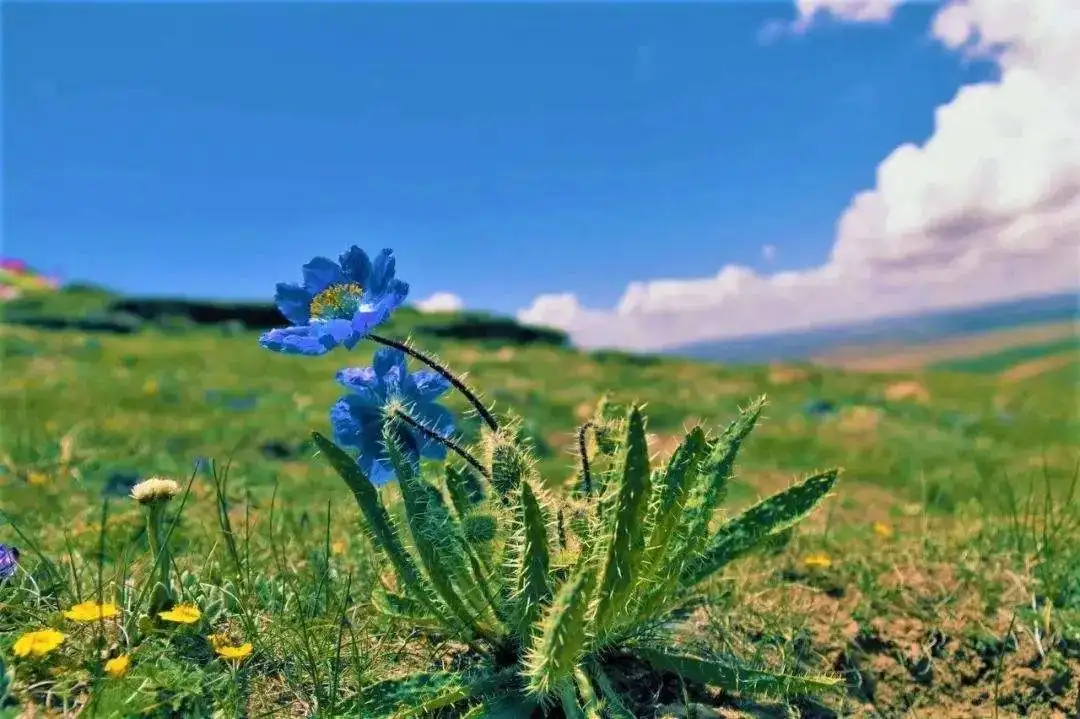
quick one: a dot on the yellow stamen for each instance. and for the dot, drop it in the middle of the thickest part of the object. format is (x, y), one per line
(336, 301)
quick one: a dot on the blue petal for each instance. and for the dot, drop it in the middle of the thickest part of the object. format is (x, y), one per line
(364, 382)
(382, 272)
(294, 302)
(356, 266)
(441, 421)
(381, 472)
(367, 318)
(340, 331)
(320, 273)
(386, 359)
(429, 385)
(348, 431)
(394, 295)
(305, 340)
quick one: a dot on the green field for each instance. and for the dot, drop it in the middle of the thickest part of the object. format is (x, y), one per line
(998, 361)
(952, 586)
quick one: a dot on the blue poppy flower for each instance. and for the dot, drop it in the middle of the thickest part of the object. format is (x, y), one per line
(9, 559)
(339, 303)
(357, 418)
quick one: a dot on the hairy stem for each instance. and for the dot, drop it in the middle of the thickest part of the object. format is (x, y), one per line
(445, 372)
(446, 441)
(583, 453)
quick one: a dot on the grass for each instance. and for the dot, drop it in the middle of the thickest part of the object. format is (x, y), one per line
(952, 540)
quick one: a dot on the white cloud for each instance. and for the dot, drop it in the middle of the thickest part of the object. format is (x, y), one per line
(845, 10)
(988, 208)
(768, 252)
(441, 302)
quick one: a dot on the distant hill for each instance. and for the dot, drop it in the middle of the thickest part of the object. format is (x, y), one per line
(890, 331)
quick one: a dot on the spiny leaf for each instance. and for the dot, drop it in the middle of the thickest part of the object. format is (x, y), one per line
(462, 495)
(735, 678)
(383, 531)
(404, 609)
(561, 637)
(531, 587)
(758, 523)
(591, 703)
(433, 536)
(626, 542)
(418, 694)
(670, 495)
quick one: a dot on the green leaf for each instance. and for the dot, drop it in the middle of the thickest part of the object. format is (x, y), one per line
(757, 524)
(560, 641)
(735, 678)
(626, 541)
(422, 693)
(433, 534)
(383, 531)
(531, 589)
(462, 496)
(669, 499)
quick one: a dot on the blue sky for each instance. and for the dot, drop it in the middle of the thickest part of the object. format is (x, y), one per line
(504, 150)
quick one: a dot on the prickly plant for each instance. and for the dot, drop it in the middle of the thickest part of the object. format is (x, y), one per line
(551, 589)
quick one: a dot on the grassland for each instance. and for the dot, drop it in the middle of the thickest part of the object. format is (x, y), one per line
(947, 580)
(990, 351)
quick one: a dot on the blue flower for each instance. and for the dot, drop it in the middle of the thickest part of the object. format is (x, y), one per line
(357, 418)
(339, 303)
(9, 559)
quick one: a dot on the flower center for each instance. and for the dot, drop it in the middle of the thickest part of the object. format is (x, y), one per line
(336, 302)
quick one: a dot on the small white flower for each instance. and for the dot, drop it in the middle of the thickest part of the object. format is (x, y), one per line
(155, 489)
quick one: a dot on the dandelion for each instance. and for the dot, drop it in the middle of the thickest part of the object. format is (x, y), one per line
(358, 417)
(228, 651)
(118, 666)
(817, 561)
(339, 303)
(182, 614)
(154, 494)
(882, 530)
(9, 560)
(38, 643)
(155, 489)
(91, 612)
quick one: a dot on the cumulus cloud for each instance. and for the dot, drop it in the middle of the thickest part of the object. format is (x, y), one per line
(441, 302)
(988, 208)
(847, 10)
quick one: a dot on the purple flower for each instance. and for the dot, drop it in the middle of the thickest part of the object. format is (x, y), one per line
(9, 559)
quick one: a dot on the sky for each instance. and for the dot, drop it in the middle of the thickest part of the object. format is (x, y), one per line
(642, 175)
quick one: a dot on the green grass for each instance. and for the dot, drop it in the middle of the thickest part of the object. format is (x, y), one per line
(276, 557)
(998, 361)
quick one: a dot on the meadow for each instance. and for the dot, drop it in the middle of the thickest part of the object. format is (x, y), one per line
(940, 578)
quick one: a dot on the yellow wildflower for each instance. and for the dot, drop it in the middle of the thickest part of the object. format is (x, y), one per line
(182, 614)
(118, 666)
(91, 611)
(229, 651)
(337, 546)
(882, 530)
(37, 478)
(817, 561)
(38, 643)
(150, 387)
